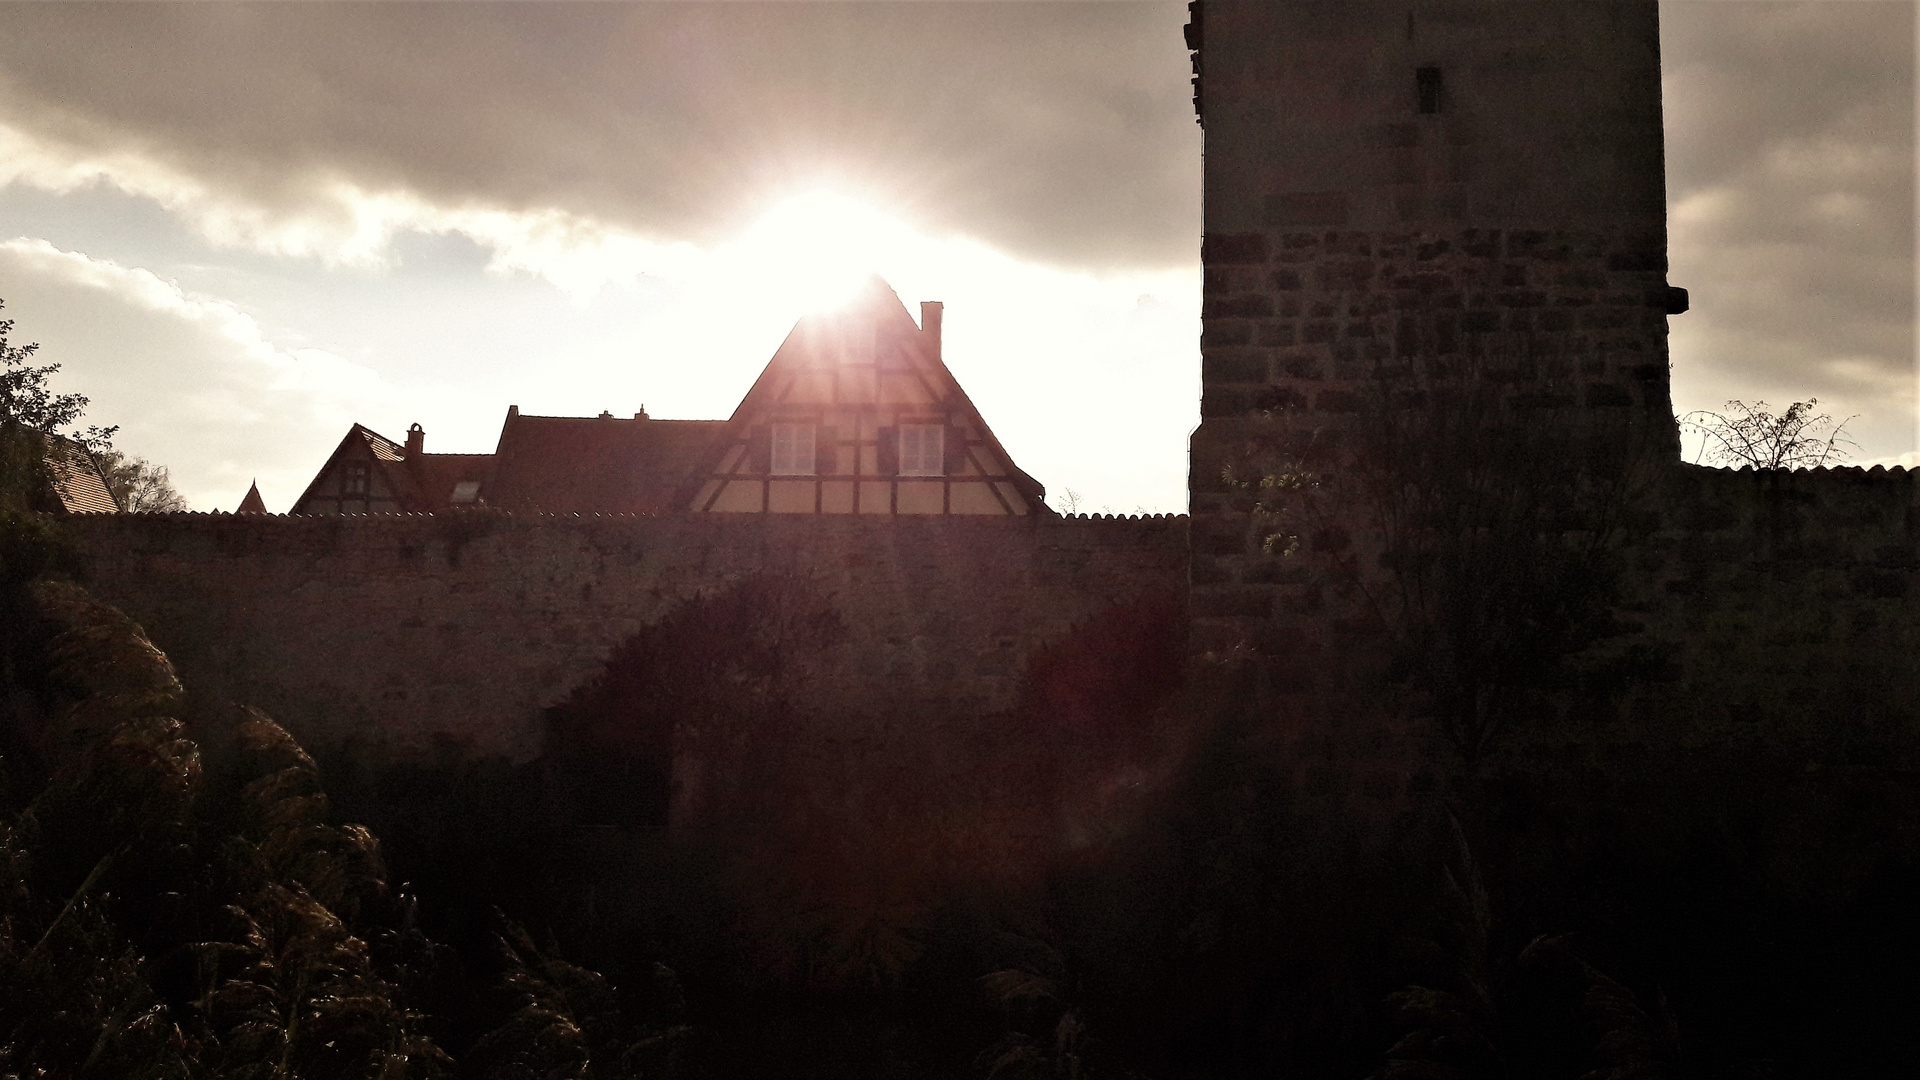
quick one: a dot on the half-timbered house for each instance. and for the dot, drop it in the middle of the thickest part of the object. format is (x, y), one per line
(856, 413)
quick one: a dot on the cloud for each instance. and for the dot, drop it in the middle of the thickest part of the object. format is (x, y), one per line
(1059, 132)
(193, 382)
(1790, 160)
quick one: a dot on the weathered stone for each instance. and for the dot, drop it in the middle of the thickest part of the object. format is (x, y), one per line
(1278, 334)
(1226, 332)
(1607, 395)
(1249, 306)
(1231, 248)
(1228, 365)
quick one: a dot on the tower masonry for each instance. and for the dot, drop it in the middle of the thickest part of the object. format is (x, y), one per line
(1412, 206)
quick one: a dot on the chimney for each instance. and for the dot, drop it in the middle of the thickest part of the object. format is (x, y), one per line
(930, 321)
(416, 440)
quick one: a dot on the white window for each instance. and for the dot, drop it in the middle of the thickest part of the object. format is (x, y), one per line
(466, 491)
(923, 450)
(793, 449)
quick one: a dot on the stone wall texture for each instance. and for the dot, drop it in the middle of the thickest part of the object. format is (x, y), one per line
(421, 635)
(1366, 238)
(1460, 297)
(1789, 602)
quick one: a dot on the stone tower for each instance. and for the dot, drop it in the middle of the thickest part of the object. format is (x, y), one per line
(1411, 203)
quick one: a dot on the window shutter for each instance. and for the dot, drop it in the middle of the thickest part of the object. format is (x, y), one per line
(954, 445)
(889, 447)
(760, 449)
(826, 452)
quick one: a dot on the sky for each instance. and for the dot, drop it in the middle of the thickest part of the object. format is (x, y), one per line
(241, 228)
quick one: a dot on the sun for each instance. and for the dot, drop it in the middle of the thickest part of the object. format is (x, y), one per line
(811, 252)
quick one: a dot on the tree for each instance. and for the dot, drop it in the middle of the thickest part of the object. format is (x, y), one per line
(1749, 435)
(29, 413)
(25, 399)
(29, 410)
(138, 485)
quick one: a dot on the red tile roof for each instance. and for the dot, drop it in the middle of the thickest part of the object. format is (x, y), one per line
(544, 464)
(77, 482)
(597, 465)
(435, 476)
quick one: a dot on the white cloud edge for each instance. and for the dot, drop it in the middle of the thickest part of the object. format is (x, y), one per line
(345, 224)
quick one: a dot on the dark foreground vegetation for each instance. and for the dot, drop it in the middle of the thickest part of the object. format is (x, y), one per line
(181, 893)
(1143, 869)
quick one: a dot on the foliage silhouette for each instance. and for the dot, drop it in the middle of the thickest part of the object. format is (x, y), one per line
(1048, 1035)
(567, 1021)
(138, 486)
(30, 414)
(1747, 435)
(1544, 1011)
(172, 913)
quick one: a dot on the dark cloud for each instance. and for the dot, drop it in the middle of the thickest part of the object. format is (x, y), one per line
(1057, 131)
(1790, 162)
(1060, 132)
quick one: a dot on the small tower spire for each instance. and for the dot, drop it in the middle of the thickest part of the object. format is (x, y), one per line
(253, 503)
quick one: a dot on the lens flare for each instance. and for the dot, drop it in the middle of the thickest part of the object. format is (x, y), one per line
(811, 252)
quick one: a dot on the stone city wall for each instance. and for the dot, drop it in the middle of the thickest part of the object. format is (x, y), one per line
(1788, 602)
(414, 635)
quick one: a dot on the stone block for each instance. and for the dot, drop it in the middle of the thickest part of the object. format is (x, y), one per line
(1278, 399)
(1228, 249)
(1285, 280)
(1542, 399)
(1639, 261)
(1278, 334)
(1233, 365)
(1481, 244)
(1225, 280)
(1307, 209)
(1300, 366)
(1879, 584)
(1607, 395)
(1245, 306)
(1206, 570)
(1226, 332)
(1224, 401)
(1232, 601)
(1348, 274)
(1350, 243)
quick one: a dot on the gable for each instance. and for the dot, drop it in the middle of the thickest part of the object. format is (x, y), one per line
(858, 414)
(361, 477)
